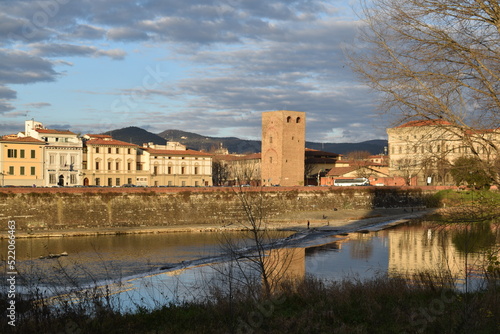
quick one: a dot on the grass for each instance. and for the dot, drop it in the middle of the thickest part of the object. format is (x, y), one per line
(380, 305)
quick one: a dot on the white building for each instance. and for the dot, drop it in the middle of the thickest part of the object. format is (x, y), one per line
(62, 154)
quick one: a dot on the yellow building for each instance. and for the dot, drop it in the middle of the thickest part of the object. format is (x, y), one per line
(21, 161)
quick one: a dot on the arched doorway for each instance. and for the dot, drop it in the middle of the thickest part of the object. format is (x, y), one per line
(61, 181)
(86, 182)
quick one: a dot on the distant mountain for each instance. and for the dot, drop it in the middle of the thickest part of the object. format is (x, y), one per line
(135, 135)
(373, 146)
(198, 142)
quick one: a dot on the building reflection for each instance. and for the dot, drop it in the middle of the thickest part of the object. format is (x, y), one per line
(454, 249)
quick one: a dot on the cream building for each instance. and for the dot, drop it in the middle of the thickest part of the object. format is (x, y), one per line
(111, 162)
(174, 165)
(425, 149)
(62, 154)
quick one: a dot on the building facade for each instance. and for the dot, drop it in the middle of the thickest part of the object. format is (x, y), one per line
(21, 161)
(424, 150)
(174, 165)
(283, 148)
(111, 162)
(62, 154)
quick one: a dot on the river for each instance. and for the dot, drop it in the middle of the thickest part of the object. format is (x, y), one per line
(170, 267)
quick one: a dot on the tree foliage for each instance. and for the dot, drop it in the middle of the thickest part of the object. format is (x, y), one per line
(469, 170)
(436, 59)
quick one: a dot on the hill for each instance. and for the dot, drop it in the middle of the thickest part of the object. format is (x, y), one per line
(135, 135)
(198, 142)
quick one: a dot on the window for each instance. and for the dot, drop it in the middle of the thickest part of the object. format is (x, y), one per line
(270, 139)
(117, 150)
(183, 183)
(33, 154)
(139, 167)
(11, 153)
(288, 119)
(109, 149)
(73, 159)
(52, 178)
(129, 166)
(72, 179)
(110, 181)
(97, 165)
(97, 150)
(11, 170)
(298, 120)
(117, 181)
(155, 170)
(33, 171)
(196, 170)
(21, 154)
(117, 165)
(129, 180)
(97, 181)
(183, 170)
(128, 150)
(52, 159)
(62, 160)
(169, 183)
(109, 165)
(21, 170)
(196, 183)
(169, 170)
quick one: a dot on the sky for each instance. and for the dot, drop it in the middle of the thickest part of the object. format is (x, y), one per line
(204, 66)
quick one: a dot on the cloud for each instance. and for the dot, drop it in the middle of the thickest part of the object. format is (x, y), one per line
(20, 67)
(72, 50)
(38, 105)
(125, 34)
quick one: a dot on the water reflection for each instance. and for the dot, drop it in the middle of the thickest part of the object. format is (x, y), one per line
(399, 251)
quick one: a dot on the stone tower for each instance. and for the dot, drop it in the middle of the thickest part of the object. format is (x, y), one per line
(283, 148)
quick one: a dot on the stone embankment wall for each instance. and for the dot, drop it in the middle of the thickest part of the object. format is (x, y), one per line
(41, 209)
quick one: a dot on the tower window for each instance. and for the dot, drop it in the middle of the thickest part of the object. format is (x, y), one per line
(298, 120)
(288, 119)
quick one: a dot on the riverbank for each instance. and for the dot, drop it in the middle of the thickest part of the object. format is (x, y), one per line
(339, 220)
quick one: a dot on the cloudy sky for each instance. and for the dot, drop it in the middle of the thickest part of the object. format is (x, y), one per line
(205, 66)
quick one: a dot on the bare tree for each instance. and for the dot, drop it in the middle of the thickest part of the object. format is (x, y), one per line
(220, 172)
(358, 155)
(436, 59)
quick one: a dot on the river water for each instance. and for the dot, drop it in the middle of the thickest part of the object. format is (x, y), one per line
(176, 266)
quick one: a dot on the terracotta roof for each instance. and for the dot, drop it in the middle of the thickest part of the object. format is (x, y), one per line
(428, 122)
(175, 152)
(21, 139)
(339, 171)
(98, 136)
(59, 132)
(233, 157)
(108, 142)
(312, 152)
